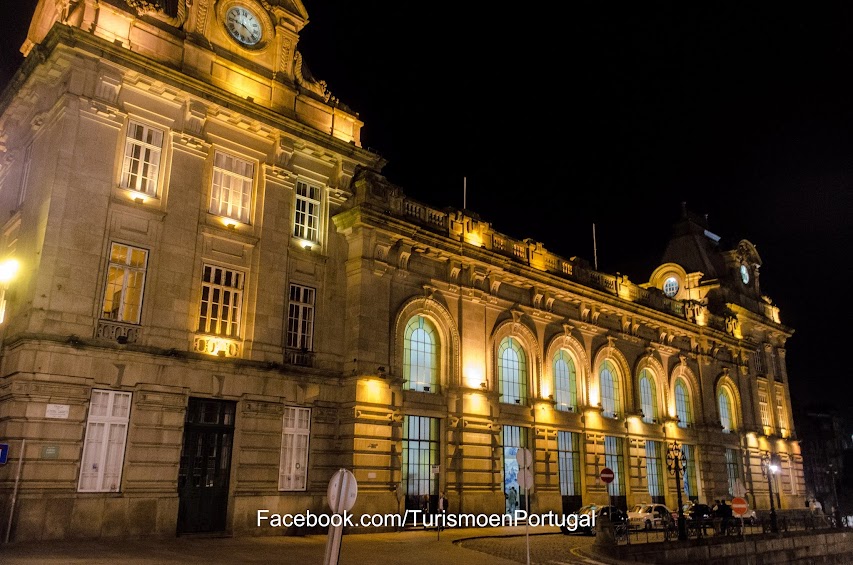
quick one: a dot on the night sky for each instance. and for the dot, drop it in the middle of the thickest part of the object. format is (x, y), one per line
(613, 115)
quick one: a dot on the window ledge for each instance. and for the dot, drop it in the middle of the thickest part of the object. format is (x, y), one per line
(217, 346)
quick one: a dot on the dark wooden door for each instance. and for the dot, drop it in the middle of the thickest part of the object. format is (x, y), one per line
(205, 466)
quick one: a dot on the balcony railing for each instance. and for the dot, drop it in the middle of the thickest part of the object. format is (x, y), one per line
(299, 357)
(117, 331)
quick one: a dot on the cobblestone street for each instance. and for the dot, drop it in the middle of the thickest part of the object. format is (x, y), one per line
(547, 549)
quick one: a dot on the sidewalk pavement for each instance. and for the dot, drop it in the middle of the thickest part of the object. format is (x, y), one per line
(411, 547)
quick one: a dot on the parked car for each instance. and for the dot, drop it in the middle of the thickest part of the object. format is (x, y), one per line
(595, 513)
(648, 516)
(698, 513)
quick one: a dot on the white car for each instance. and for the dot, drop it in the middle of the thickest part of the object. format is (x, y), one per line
(647, 516)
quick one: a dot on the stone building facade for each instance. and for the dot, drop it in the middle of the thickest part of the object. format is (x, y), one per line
(221, 301)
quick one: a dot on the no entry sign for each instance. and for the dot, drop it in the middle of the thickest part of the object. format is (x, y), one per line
(606, 475)
(739, 506)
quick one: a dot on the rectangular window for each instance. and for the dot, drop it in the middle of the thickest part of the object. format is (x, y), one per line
(420, 455)
(221, 301)
(569, 457)
(615, 461)
(764, 407)
(125, 284)
(654, 471)
(780, 411)
(140, 170)
(733, 470)
(295, 432)
(300, 317)
(306, 222)
(758, 362)
(103, 446)
(25, 174)
(689, 479)
(231, 193)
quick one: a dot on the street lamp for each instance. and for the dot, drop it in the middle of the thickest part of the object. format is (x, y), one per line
(675, 461)
(836, 511)
(769, 467)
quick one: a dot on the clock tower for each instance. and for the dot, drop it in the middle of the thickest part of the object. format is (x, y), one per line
(248, 48)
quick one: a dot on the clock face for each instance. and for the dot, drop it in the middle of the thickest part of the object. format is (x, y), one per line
(243, 25)
(744, 274)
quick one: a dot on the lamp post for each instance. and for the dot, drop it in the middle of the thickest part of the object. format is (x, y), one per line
(836, 509)
(768, 469)
(675, 461)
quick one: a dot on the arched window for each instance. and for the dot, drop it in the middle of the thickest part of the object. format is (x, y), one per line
(565, 381)
(512, 372)
(724, 402)
(682, 404)
(609, 383)
(420, 355)
(648, 398)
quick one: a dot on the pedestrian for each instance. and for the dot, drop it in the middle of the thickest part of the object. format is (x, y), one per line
(425, 507)
(512, 499)
(716, 517)
(442, 509)
(817, 507)
(726, 511)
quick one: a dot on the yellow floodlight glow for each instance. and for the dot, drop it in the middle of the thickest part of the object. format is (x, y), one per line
(473, 375)
(9, 270)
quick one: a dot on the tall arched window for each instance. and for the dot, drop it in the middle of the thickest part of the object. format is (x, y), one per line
(565, 382)
(648, 398)
(724, 402)
(682, 404)
(609, 383)
(512, 372)
(420, 355)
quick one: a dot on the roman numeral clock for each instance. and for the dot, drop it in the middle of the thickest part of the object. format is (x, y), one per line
(246, 23)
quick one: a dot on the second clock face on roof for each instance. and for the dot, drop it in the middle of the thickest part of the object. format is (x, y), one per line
(244, 25)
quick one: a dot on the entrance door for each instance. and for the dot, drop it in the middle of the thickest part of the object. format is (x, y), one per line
(205, 466)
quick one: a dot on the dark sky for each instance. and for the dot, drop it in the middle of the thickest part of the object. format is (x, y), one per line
(613, 115)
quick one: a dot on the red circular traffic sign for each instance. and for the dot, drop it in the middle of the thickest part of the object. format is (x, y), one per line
(606, 475)
(739, 506)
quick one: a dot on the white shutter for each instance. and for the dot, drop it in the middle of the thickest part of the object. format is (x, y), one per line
(103, 447)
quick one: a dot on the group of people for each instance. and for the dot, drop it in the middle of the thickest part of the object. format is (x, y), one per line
(721, 514)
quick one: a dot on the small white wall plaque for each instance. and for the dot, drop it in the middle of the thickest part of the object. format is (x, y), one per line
(58, 411)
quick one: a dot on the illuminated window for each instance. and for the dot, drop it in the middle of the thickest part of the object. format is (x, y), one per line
(295, 434)
(670, 287)
(569, 457)
(300, 317)
(565, 380)
(231, 194)
(103, 446)
(420, 355)
(690, 478)
(141, 166)
(724, 402)
(125, 284)
(732, 469)
(221, 301)
(654, 471)
(306, 222)
(780, 411)
(648, 398)
(764, 407)
(609, 382)
(614, 459)
(512, 372)
(682, 404)
(421, 446)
